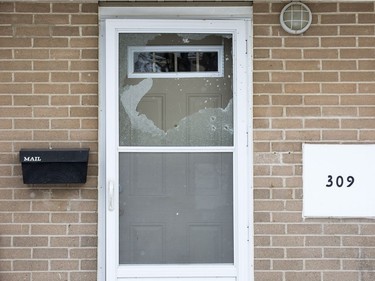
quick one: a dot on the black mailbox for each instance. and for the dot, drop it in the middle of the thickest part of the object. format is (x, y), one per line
(54, 166)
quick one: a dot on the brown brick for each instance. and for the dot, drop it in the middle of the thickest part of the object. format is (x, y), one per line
(367, 65)
(65, 217)
(267, 88)
(269, 253)
(81, 229)
(16, 19)
(301, 42)
(341, 253)
(304, 252)
(337, 229)
(322, 30)
(285, 77)
(51, 42)
(15, 276)
(304, 135)
(342, 276)
(363, 53)
(262, 30)
(50, 276)
(31, 124)
(357, 76)
(65, 7)
(51, 112)
(357, 7)
(64, 76)
(268, 19)
(84, 19)
(322, 123)
(83, 112)
(65, 54)
(51, 65)
(287, 123)
(340, 135)
(83, 276)
(51, 135)
(88, 265)
(320, 54)
(51, 19)
(366, 18)
(53, 88)
(31, 217)
(84, 88)
(65, 31)
(268, 275)
(15, 253)
(287, 264)
(321, 100)
(90, 54)
(30, 265)
(32, 31)
(64, 242)
(15, 65)
(338, 19)
(339, 88)
(5, 31)
(303, 65)
(83, 253)
(64, 265)
(356, 30)
(262, 42)
(338, 41)
(366, 41)
(7, 7)
(50, 253)
(306, 276)
(321, 77)
(331, 241)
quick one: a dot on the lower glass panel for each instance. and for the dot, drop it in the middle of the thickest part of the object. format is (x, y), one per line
(176, 208)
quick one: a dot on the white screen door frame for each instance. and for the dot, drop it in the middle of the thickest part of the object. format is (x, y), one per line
(242, 268)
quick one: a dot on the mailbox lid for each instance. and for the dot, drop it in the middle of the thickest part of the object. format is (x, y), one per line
(33, 155)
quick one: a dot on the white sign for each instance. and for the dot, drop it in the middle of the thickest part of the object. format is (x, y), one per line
(339, 180)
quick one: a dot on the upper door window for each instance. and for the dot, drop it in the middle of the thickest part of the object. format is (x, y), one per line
(194, 107)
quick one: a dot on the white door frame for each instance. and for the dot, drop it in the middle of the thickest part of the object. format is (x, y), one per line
(108, 68)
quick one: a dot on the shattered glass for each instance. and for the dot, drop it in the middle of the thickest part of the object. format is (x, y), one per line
(175, 111)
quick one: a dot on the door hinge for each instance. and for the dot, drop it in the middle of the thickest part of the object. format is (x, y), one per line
(248, 233)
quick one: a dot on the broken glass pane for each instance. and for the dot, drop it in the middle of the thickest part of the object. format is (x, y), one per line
(175, 111)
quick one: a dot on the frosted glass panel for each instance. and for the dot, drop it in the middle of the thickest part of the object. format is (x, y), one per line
(176, 119)
(176, 208)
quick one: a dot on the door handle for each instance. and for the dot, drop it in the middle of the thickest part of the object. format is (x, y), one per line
(111, 196)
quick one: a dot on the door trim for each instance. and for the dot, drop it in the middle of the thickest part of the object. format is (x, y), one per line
(246, 234)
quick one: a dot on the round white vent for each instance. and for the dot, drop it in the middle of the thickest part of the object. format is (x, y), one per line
(295, 18)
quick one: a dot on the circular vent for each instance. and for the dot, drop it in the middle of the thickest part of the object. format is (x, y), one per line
(295, 18)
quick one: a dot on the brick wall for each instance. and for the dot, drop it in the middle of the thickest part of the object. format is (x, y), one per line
(318, 87)
(48, 98)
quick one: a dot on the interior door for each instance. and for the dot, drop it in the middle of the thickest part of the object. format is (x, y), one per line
(176, 135)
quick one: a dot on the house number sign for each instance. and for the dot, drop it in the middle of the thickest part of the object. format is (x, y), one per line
(338, 180)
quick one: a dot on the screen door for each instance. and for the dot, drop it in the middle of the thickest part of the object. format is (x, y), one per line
(175, 133)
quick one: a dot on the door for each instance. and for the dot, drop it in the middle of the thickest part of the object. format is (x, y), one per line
(177, 150)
